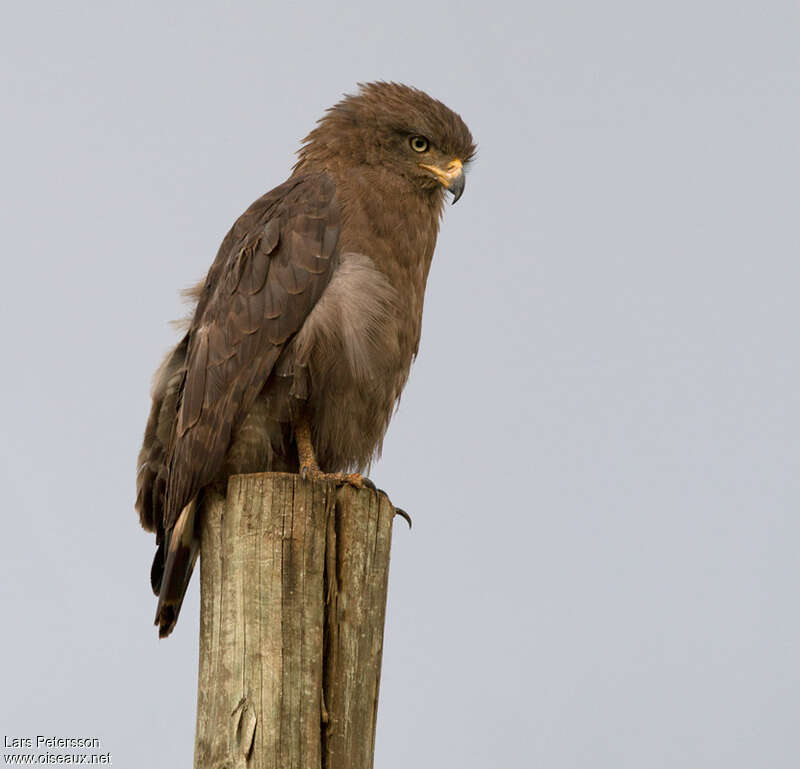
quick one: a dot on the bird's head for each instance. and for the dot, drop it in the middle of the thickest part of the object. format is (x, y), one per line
(394, 128)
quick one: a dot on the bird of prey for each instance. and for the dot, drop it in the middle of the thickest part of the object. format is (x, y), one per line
(306, 325)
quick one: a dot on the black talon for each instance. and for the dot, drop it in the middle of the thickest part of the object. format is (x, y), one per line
(368, 483)
(403, 514)
(397, 510)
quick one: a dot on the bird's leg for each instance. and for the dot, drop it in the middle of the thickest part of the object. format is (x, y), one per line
(305, 449)
(310, 470)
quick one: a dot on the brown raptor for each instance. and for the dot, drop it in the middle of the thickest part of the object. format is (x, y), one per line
(306, 325)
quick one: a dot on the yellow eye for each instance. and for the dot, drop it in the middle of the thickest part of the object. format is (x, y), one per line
(418, 143)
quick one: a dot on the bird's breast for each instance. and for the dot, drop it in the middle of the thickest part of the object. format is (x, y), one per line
(356, 346)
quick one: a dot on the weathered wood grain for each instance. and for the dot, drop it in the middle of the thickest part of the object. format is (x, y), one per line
(294, 577)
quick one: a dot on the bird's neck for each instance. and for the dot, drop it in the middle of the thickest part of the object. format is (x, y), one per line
(395, 220)
(389, 219)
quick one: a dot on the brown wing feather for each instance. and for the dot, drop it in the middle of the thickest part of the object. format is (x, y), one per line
(256, 298)
(269, 273)
(151, 475)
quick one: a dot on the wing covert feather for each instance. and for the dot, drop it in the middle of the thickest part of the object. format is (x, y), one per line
(270, 271)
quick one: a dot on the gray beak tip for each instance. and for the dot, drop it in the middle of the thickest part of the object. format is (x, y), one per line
(457, 187)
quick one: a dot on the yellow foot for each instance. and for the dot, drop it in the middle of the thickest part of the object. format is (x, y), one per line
(358, 481)
(311, 473)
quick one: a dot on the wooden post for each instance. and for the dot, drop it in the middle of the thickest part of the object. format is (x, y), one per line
(294, 577)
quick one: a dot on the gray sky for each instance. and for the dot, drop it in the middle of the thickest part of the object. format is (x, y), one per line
(603, 569)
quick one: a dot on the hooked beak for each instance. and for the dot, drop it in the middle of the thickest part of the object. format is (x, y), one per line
(451, 178)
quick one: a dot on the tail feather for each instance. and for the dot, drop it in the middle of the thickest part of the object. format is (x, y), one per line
(157, 569)
(172, 568)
